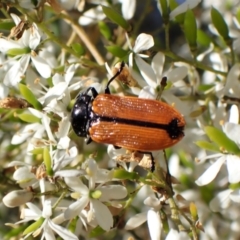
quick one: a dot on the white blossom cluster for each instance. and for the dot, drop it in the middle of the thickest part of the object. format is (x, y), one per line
(65, 188)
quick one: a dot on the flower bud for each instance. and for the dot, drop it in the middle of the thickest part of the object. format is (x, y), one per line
(17, 198)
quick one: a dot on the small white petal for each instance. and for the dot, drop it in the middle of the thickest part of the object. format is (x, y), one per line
(4, 91)
(69, 173)
(143, 42)
(136, 221)
(42, 66)
(15, 18)
(177, 74)
(103, 215)
(235, 196)
(47, 209)
(152, 202)
(147, 72)
(17, 198)
(92, 16)
(75, 208)
(234, 114)
(128, 8)
(112, 192)
(221, 201)
(154, 224)
(232, 130)
(148, 93)
(211, 172)
(34, 38)
(62, 232)
(189, 4)
(157, 65)
(233, 167)
(25, 133)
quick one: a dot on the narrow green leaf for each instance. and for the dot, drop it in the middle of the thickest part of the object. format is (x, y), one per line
(207, 146)
(26, 117)
(220, 24)
(218, 137)
(36, 151)
(78, 48)
(203, 39)
(29, 96)
(122, 174)
(105, 30)
(115, 17)
(47, 161)
(165, 10)
(6, 25)
(34, 226)
(18, 51)
(96, 232)
(190, 29)
(179, 18)
(117, 51)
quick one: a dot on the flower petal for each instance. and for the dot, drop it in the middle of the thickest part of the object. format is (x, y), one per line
(221, 201)
(112, 192)
(143, 42)
(136, 221)
(233, 167)
(177, 74)
(62, 232)
(128, 8)
(42, 66)
(154, 224)
(211, 172)
(103, 215)
(146, 71)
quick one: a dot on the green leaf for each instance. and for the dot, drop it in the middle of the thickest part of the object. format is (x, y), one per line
(29, 96)
(47, 161)
(26, 117)
(123, 174)
(18, 51)
(190, 29)
(220, 24)
(78, 48)
(6, 25)
(165, 10)
(36, 151)
(238, 15)
(218, 137)
(115, 17)
(179, 18)
(34, 226)
(96, 232)
(207, 146)
(117, 51)
(105, 30)
(203, 39)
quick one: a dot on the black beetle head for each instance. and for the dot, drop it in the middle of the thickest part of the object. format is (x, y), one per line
(80, 115)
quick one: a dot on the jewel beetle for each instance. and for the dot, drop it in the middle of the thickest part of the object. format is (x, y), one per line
(133, 123)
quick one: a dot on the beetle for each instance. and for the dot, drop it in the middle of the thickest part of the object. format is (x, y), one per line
(133, 123)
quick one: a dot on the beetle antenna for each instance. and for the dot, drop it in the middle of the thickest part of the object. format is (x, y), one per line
(107, 91)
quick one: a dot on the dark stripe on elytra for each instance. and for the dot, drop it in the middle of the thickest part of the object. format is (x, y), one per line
(171, 128)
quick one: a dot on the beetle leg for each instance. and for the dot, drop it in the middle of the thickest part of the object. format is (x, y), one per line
(88, 140)
(93, 90)
(107, 90)
(116, 147)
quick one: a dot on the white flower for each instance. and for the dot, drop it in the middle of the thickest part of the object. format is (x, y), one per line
(46, 224)
(29, 42)
(93, 15)
(182, 8)
(232, 130)
(151, 216)
(95, 196)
